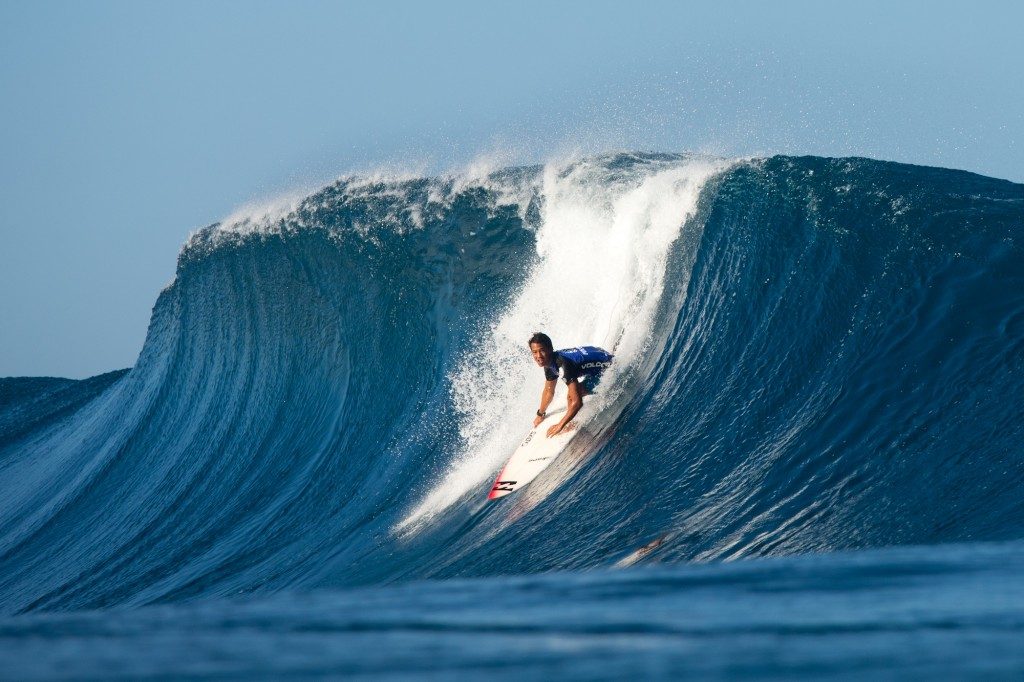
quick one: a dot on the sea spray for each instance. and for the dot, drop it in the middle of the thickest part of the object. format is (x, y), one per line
(604, 236)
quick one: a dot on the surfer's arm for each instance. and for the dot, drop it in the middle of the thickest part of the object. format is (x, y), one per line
(546, 396)
(575, 402)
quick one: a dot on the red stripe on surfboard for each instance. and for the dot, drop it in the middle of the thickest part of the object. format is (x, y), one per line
(495, 494)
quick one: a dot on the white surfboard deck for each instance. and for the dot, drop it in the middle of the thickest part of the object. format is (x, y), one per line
(534, 454)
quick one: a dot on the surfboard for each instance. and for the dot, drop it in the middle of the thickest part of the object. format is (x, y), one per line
(534, 454)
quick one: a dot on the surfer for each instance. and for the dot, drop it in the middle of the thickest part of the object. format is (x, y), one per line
(581, 369)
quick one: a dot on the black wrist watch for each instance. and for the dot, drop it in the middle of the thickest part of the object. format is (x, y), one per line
(540, 413)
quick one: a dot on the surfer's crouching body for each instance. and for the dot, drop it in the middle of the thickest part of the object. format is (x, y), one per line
(581, 369)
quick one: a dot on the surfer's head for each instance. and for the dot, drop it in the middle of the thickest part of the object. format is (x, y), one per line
(542, 349)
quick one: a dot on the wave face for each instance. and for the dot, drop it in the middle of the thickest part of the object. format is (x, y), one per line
(811, 355)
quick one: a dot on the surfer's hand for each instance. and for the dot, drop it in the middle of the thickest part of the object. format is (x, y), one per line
(554, 430)
(537, 420)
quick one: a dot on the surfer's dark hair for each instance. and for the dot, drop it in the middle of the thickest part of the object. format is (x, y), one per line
(543, 339)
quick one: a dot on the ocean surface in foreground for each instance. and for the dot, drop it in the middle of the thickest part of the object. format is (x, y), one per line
(952, 612)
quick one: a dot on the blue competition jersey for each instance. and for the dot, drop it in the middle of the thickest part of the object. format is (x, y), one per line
(577, 362)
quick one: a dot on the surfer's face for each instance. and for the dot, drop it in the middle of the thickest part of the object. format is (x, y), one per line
(541, 355)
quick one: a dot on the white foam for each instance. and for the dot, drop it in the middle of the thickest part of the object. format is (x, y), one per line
(263, 213)
(602, 248)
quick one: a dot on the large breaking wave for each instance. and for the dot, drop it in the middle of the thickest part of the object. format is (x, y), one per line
(812, 354)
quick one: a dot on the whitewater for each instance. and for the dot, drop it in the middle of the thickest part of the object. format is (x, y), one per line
(805, 460)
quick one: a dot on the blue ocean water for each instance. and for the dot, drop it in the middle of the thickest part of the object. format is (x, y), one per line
(806, 460)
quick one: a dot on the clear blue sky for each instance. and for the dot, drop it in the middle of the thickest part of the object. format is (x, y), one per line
(125, 125)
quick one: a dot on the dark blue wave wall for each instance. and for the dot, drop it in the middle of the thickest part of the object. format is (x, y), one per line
(873, 324)
(841, 369)
(272, 414)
